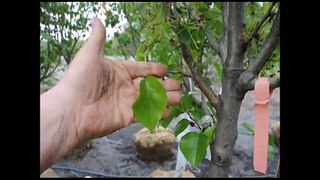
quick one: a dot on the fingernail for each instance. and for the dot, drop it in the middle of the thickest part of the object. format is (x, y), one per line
(92, 20)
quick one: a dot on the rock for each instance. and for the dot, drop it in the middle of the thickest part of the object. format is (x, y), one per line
(155, 146)
(49, 173)
(160, 173)
(275, 128)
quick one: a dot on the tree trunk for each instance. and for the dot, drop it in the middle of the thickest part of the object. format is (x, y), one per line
(226, 134)
(231, 97)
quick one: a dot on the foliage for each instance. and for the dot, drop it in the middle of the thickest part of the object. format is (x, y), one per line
(159, 43)
(150, 36)
(62, 25)
(151, 103)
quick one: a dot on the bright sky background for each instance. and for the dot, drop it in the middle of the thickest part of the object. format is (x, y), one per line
(109, 30)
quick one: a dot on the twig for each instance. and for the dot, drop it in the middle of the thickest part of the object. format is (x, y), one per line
(192, 65)
(260, 23)
(181, 73)
(198, 126)
(268, 47)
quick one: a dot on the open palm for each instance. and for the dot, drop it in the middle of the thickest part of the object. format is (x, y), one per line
(103, 91)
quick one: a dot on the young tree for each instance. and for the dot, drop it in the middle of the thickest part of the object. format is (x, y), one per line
(62, 24)
(239, 40)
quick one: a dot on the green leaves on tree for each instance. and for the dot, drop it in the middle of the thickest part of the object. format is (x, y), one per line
(184, 36)
(218, 71)
(193, 146)
(186, 103)
(181, 126)
(175, 111)
(209, 132)
(151, 103)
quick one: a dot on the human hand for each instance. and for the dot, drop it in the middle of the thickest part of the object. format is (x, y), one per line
(102, 91)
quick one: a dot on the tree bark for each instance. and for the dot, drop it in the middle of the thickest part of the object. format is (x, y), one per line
(230, 99)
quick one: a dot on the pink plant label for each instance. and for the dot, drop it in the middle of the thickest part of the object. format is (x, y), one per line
(262, 94)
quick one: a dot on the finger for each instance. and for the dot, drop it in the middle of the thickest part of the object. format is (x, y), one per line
(173, 97)
(136, 82)
(168, 84)
(171, 85)
(95, 44)
(143, 69)
(166, 113)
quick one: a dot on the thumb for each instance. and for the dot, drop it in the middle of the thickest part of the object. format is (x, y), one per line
(95, 43)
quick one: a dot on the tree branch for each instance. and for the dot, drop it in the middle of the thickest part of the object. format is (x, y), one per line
(134, 33)
(260, 23)
(213, 41)
(198, 103)
(235, 43)
(181, 73)
(274, 83)
(224, 39)
(196, 76)
(192, 65)
(268, 47)
(46, 75)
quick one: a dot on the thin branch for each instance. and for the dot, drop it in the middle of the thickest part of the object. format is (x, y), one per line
(197, 76)
(274, 82)
(181, 73)
(198, 126)
(260, 23)
(213, 41)
(133, 31)
(192, 66)
(45, 72)
(268, 47)
(50, 73)
(184, 82)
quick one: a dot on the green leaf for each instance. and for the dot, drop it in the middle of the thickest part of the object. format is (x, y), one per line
(144, 34)
(193, 147)
(271, 140)
(209, 132)
(197, 113)
(151, 103)
(207, 81)
(175, 111)
(248, 127)
(184, 36)
(141, 52)
(218, 71)
(218, 27)
(271, 152)
(271, 149)
(186, 103)
(181, 126)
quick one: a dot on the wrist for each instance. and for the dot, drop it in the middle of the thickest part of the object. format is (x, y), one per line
(58, 137)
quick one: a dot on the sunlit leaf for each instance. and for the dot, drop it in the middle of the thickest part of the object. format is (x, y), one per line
(151, 103)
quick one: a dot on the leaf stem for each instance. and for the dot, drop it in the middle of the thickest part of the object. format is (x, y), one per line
(198, 126)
